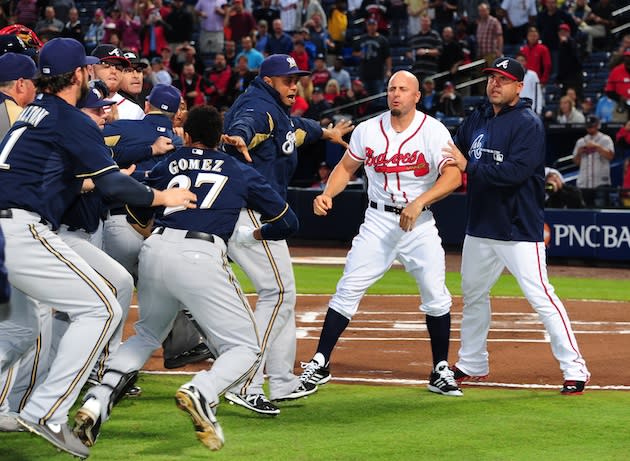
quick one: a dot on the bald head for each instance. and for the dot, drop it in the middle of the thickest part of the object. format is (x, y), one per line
(404, 76)
(403, 93)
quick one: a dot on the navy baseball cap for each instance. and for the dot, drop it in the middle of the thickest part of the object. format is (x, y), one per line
(63, 55)
(14, 66)
(12, 44)
(110, 53)
(279, 65)
(165, 97)
(95, 100)
(508, 67)
(134, 60)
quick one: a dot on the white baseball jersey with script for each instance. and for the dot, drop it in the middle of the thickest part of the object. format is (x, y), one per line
(399, 167)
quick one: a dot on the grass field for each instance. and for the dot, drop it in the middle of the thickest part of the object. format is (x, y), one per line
(355, 422)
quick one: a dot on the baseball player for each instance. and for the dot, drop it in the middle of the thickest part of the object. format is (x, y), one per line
(504, 142)
(260, 127)
(43, 163)
(185, 262)
(401, 151)
(17, 89)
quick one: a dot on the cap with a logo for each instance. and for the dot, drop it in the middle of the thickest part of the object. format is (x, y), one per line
(110, 53)
(165, 97)
(12, 44)
(279, 65)
(14, 66)
(134, 60)
(508, 67)
(592, 121)
(95, 98)
(564, 26)
(63, 55)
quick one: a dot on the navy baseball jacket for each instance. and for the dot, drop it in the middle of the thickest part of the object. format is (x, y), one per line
(271, 134)
(506, 172)
(223, 186)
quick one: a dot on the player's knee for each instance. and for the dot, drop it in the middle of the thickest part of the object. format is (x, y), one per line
(343, 310)
(436, 310)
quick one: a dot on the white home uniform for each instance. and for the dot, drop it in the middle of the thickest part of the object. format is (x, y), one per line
(127, 110)
(399, 168)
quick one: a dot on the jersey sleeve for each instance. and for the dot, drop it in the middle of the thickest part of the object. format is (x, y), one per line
(251, 125)
(125, 154)
(306, 130)
(355, 146)
(82, 139)
(440, 136)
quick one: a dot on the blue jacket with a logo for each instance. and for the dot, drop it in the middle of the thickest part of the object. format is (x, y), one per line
(506, 172)
(271, 134)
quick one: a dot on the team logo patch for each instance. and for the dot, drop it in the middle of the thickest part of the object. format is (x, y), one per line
(291, 62)
(398, 163)
(503, 64)
(476, 147)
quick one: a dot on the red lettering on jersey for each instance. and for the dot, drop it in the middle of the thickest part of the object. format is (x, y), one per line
(398, 163)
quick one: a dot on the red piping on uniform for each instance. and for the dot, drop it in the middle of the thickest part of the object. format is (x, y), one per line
(542, 282)
(380, 123)
(400, 148)
(352, 154)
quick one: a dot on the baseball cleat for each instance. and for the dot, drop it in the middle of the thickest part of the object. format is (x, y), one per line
(315, 371)
(254, 402)
(302, 390)
(460, 376)
(9, 422)
(442, 381)
(572, 387)
(209, 432)
(87, 422)
(196, 354)
(59, 435)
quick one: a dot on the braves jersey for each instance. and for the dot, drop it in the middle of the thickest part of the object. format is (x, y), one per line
(223, 186)
(47, 154)
(399, 166)
(506, 172)
(271, 134)
(127, 110)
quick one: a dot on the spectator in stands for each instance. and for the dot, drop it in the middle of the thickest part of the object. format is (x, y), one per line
(96, 31)
(305, 11)
(240, 21)
(537, 55)
(254, 57)
(616, 57)
(429, 100)
(567, 112)
(618, 88)
(623, 142)
(266, 12)
(317, 106)
(309, 46)
(73, 28)
(337, 27)
(558, 194)
(489, 35)
(600, 20)
(299, 106)
(239, 80)
(262, 35)
(129, 28)
(548, 21)
(184, 54)
(569, 72)
(593, 153)
(181, 24)
(416, 9)
(49, 27)
(289, 14)
(444, 13)
(26, 13)
(450, 103)
(579, 11)
(532, 89)
(605, 109)
(379, 11)
(193, 86)
(452, 55)
(518, 15)
(300, 55)
(465, 40)
(230, 52)
(376, 61)
(323, 172)
(305, 87)
(340, 74)
(357, 92)
(332, 92)
(62, 9)
(279, 42)
(318, 35)
(587, 107)
(426, 48)
(469, 10)
(154, 33)
(212, 14)
(111, 25)
(159, 72)
(320, 74)
(219, 74)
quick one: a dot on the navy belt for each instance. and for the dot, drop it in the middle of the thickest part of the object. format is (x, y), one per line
(8, 214)
(388, 208)
(190, 235)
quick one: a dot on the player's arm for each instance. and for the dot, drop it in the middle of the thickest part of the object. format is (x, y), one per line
(337, 182)
(247, 130)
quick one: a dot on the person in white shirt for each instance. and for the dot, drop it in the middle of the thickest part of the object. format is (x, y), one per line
(532, 88)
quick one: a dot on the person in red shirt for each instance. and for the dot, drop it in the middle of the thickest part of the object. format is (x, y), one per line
(320, 74)
(239, 21)
(219, 75)
(618, 85)
(538, 55)
(300, 55)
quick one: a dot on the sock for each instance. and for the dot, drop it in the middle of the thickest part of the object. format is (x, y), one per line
(334, 326)
(440, 333)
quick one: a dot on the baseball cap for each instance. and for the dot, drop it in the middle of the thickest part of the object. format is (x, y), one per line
(508, 67)
(564, 26)
(12, 44)
(592, 121)
(110, 53)
(279, 65)
(320, 56)
(165, 97)
(450, 84)
(14, 66)
(371, 21)
(62, 55)
(134, 60)
(95, 97)
(156, 60)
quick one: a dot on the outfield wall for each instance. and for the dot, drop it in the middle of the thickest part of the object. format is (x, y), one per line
(571, 234)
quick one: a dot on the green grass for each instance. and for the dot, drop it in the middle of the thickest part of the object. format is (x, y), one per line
(313, 279)
(352, 422)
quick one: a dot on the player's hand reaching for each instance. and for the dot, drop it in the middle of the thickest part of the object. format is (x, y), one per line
(321, 204)
(409, 215)
(162, 145)
(452, 152)
(175, 197)
(336, 133)
(239, 144)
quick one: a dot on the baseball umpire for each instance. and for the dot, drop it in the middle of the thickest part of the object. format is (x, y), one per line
(504, 142)
(43, 162)
(185, 262)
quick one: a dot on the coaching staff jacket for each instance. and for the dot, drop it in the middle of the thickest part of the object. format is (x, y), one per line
(506, 171)
(271, 134)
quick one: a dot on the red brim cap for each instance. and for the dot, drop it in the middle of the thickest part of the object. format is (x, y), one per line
(489, 70)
